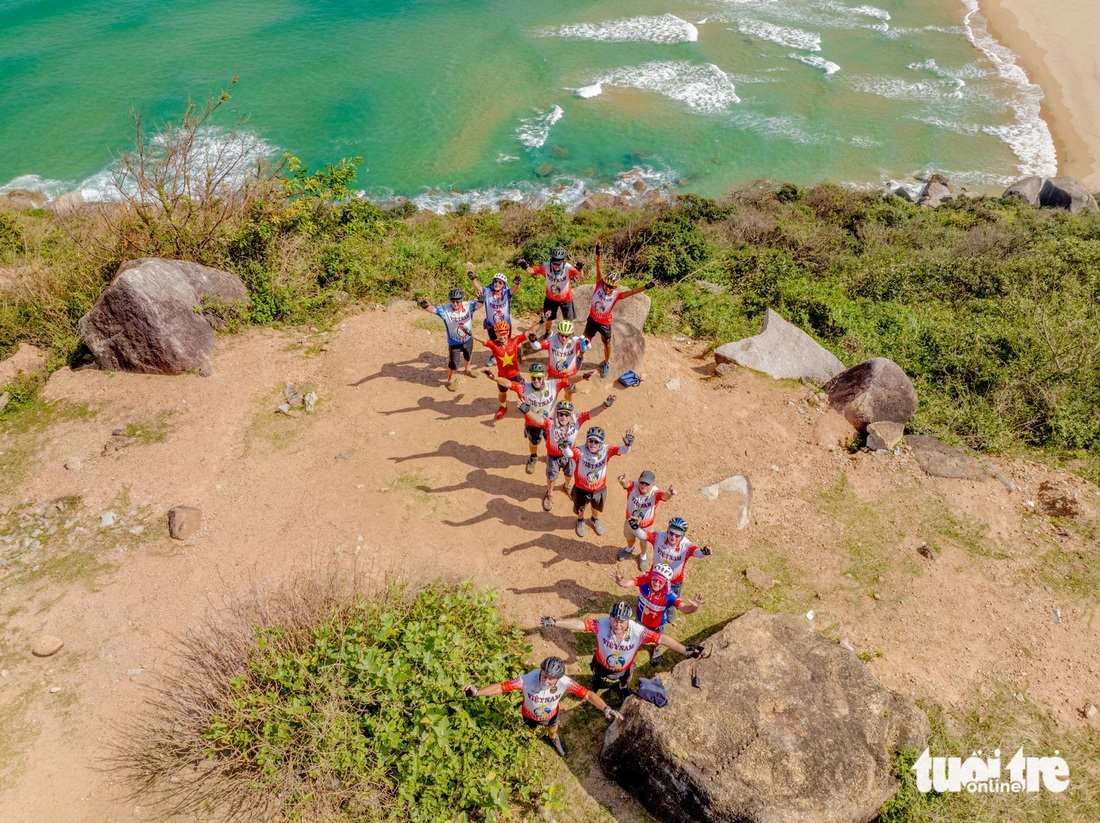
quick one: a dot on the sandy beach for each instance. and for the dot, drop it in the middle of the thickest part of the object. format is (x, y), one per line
(1057, 47)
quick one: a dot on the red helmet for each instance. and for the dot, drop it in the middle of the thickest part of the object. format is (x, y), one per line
(502, 328)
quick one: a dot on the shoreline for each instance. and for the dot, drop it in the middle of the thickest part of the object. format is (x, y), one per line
(1056, 48)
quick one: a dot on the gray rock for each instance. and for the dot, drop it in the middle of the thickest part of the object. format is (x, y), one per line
(741, 488)
(707, 286)
(602, 200)
(628, 344)
(310, 401)
(1058, 499)
(874, 390)
(781, 350)
(1053, 193)
(725, 369)
(935, 194)
(107, 519)
(5, 398)
(787, 727)
(47, 645)
(1090, 711)
(759, 579)
(184, 522)
(66, 203)
(941, 460)
(24, 199)
(73, 464)
(884, 434)
(159, 316)
(673, 384)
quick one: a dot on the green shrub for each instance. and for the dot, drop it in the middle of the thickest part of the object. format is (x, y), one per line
(320, 705)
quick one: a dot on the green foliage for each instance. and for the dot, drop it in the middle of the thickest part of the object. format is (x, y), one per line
(328, 185)
(353, 708)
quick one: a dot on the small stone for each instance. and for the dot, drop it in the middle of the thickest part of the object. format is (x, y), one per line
(759, 579)
(283, 409)
(846, 644)
(3, 672)
(311, 401)
(924, 551)
(73, 464)
(876, 596)
(107, 520)
(1057, 613)
(341, 456)
(47, 645)
(1090, 710)
(137, 530)
(673, 384)
(4, 398)
(55, 689)
(134, 672)
(725, 369)
(810, 614)
(184, 521)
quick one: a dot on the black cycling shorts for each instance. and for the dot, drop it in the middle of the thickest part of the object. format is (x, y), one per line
(554, 306)
(455, 350)
(534, 434)
(581, 497)
(592, 328)
(549, 722)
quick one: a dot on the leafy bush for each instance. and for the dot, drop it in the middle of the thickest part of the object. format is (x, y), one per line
(318, 704)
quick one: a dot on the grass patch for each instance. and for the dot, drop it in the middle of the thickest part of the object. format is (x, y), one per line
(155, 431)
(23, 434)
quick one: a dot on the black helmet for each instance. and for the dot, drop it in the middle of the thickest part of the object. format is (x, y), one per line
(457, 294)
(620, 611)
(557, 255)
(595, 433)
(539, 369)
(553, 667)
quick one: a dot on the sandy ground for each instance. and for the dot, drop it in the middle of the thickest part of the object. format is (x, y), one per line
(1057, 46)
(411, 481)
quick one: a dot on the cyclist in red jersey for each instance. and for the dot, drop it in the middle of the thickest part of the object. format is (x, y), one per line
(543, 688)
(563, 425)
(642, 498)
(505, 349)
(559, 277)
(618, 639)
(656, 600)
(537, 395)
(673, 548)
(604, 298)
(590, 476)
(565, 352)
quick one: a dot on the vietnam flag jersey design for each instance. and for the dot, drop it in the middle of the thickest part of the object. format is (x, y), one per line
(559, 284)
(591, 473)
(541, 702)
(675, 556)
(507, 355)
(643, 507)
(603, 301)
(653, 608)
(555, 432)
(617, 655)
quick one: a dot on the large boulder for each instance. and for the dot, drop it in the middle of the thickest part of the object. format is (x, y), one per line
(159, 316)
(781, 350)
(627, 342)
(938, 459)
(787, 727)
(24, 199)
(1053, 193)
(876, 389)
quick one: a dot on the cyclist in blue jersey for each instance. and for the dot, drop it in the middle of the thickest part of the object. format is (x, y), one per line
(458, 317)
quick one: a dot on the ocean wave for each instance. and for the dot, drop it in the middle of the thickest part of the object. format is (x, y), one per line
(667, 28)
(595, 90)
(703, 88)
(506, 158)
(533, 131)
(1029, 138)
(861, 142)
(784, 126)
(783, 35)
(32, 182)
(895, 88)
(828, 66)
(567, 190)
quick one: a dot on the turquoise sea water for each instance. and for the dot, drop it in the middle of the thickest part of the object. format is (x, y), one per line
(449, 101)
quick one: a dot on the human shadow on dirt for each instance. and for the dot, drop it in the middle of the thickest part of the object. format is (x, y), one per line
(473, 455)
(565, 546)
(585, 600)
(450, 406)
(427, 369)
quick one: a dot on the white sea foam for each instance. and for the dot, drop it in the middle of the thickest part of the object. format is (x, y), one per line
(895, 88)
(859, 141)
(783, 35)
(704, 88)
(785, 127)
(1029, 138)
(595, 90)
(667, 28)
(533, 131)
(506, 158)
(32, 182)
(828, 66)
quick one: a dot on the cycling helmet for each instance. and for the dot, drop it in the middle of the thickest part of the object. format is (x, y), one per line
(612, 278)
(457, 294)
(565, 406)
(565, 327)
(553, 667)
(557, 255)
(662, 570)
(594, 433)
(621, 611)
(502, 328)
(500, 276)
(538, 369)
(678, 525)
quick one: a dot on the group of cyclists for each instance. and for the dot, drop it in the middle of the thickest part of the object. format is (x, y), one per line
(621, 634)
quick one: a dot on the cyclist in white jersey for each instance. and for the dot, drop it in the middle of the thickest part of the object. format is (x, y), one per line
(642, 498)
(543, 688)
(590, 477)
(563, 425)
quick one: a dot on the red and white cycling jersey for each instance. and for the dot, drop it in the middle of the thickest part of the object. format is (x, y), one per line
(541, 702)
(565, 355)
(559, 284)
(643, 507)
(556, 432)
(617, 655)
(603, 301)
(676, 556)
(591, 473)
(541, 400)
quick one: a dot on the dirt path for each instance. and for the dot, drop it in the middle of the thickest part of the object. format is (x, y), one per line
(407, 480)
